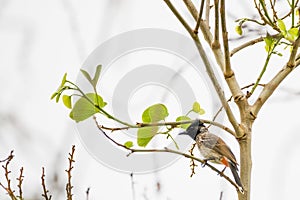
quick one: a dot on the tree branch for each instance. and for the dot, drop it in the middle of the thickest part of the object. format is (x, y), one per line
(69, 186)
(167, 150)
(277, 79)
(211, 73)
(227, 71)
(45, 191)
(173, 124)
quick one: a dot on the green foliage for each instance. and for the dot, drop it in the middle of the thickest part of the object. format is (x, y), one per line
(67, 101)
(155, 113)
(87, 106)
(60, 89)
(93, 81)
(145, 134)
(290, 34)
(183, 118)
(239, 30)
(197, 108)
(270, 42)
(128, 144)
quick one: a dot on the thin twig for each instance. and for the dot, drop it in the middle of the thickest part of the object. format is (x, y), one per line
(45, 191)
(69, 186)
(221, 195)
(251, 42)
(132, 186)
(87, 193)
(172, 124)
(193, 165)
(247, 44)
(20, 181)
(8, 188)
(167, 150)
(199, 17)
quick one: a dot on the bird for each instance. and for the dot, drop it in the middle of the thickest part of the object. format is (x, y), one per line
(213, 149)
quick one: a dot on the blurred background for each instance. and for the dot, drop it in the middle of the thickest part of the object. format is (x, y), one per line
(41, 40)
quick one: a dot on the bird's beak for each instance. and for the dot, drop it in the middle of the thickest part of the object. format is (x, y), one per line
(183, 133)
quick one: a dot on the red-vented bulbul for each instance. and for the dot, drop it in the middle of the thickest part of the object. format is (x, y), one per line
(213, 148)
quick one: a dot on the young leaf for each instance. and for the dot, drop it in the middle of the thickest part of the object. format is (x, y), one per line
(239, 30)
(96, 76)
(269, 43)
(63, 81)
(128, 144)
(292, 34)
(183, 118)
(145, 134)
(67, 101)
(87, 76)
(84, 109)
(281, 25)
(155, 113)
(53, 95)
(197, 108)
(59, 89)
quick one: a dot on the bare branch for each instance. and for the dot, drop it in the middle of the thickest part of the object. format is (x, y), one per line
(69, 186)
(172, 124)
(20, 181)
(87, 193)
(8, 188)
(247, 44)
(199, 17)
(167, 150)
(45, 191)
(191, 7)
(193, 165)
(227, 71)
(251, 42)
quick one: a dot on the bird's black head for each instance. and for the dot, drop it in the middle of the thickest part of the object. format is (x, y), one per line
(193, 130)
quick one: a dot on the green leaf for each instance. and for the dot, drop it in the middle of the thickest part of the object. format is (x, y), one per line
(269, 43)
(53, 95)
(292, 34)
(155, 113)
(58, 96)
(87, 76)
(239, 30)
(197, 108)
(84, 109)
(281, 25)
(93, 81)
(128, 144)
(67, 101)
(145, 134)
(183, 118)
(97, 75)
(60, 88)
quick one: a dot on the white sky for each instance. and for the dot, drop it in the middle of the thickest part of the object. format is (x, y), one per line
(41, 40)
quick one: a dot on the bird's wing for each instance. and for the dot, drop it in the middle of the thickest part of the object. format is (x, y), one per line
(216, 143)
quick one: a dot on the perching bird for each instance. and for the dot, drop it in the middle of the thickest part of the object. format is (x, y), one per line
(213, 148)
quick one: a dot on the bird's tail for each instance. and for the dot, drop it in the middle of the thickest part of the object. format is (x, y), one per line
(236, 176)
